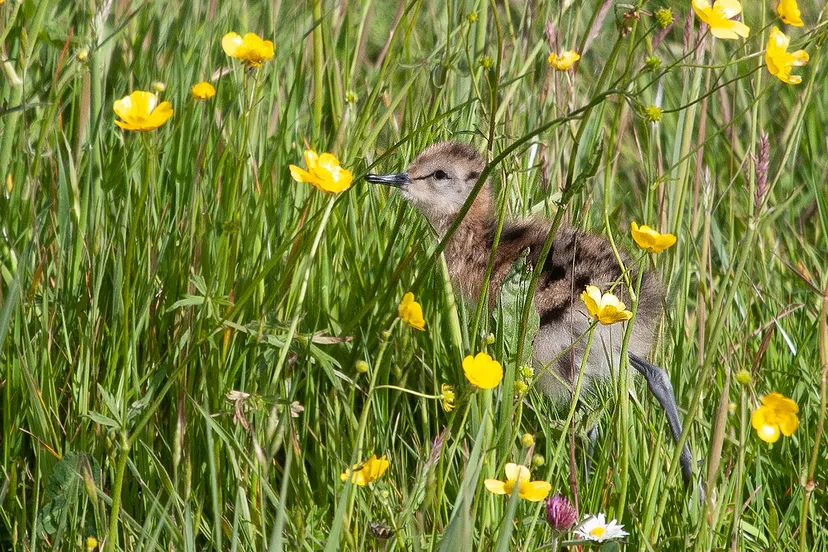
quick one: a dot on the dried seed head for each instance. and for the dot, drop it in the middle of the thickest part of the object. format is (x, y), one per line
(549, 33)
(380, 530)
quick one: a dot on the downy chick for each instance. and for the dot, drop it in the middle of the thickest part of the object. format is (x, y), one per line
(438, 183)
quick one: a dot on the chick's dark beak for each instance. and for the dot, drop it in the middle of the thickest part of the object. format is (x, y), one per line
(397, 180)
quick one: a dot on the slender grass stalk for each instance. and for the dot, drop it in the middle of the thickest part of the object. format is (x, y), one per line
(12, 119)
(117, 489)
(735, 532)
(300, 300)
(346, 498)
(810, 484)
(318, 67)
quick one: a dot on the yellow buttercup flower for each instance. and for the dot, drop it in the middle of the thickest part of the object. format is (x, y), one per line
(202, 91)
(250, 49)
(482, 371)
(606, 308)
(323, 172)
(411, 312)
(788, 10)
(651, 240)
(719, 17)
(564, 61)
(141, 111)
(447, 397)
(776, 414)
(368, 471)
(779, 61)
(533, 491)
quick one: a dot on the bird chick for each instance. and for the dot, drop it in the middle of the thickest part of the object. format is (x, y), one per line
(438, 184)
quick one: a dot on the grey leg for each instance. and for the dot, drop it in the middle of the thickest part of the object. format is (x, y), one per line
(659, 383)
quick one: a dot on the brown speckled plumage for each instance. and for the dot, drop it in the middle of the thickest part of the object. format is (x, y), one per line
(439, 181)
(577, 259)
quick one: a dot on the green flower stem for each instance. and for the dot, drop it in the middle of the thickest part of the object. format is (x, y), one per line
(740, 473)
(576, 394)
(346, 498)
(715, 456)
(136, 225)
(12, 119)
(409, 391)
(456, 331)
(318, 67)
(624, 400)
(277, 372)
(112, 540)
(719, 313)
(809, 483)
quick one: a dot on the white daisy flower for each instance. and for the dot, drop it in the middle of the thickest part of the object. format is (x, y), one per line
(596, 528)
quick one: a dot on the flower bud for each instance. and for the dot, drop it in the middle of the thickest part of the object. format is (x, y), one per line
(653, 113)
(652, 63)
(663, 17)
(362, 366)
(743, 377)
(527, 440)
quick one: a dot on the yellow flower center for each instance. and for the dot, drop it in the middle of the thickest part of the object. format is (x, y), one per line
(598, 531)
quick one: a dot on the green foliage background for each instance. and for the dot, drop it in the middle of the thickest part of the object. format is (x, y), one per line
(144, 276)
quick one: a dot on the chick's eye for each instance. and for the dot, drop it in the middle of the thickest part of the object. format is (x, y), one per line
(440, 175)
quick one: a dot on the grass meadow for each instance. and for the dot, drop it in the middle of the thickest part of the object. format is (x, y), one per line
(194, 346)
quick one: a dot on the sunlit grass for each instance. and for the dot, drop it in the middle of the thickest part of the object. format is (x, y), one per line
(195, 347)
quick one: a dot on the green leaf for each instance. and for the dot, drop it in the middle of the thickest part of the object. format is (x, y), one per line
(103, 420)
(511, 302)
(64, 494)
(460, 530)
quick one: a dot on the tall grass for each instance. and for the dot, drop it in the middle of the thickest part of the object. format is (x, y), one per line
(180, 321)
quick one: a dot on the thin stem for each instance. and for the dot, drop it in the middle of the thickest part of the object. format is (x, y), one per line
(810, 484)
(318, 67)
(112, 540)
(277, 372)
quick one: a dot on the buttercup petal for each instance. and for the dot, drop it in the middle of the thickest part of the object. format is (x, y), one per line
(788, 424)
(123, 108)
(126, 126)
(535, 491)
(800, 58)
(495, 486)
(731, 8)
(768, 433)
(311, 158)
(301, 175)
(516, 472)
(230, 43)
(162, 113)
